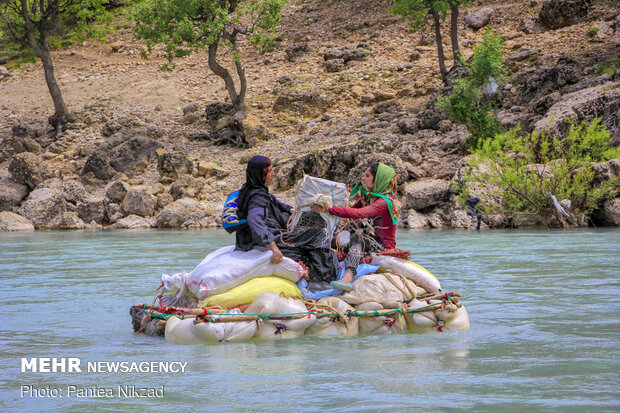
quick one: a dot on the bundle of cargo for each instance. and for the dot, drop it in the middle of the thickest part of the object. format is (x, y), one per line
(399, 297)
(237, 295)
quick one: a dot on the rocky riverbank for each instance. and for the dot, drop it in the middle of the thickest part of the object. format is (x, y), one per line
(346, 85)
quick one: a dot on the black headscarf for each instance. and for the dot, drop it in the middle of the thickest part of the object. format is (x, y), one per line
(254, 183)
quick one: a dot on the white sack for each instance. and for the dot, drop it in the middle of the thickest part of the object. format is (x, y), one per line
(334, 327)
(420, 275)
(381, 325)
(436, 320)
(270, 303)
(186, 332)
(377, 288)
(226, 268)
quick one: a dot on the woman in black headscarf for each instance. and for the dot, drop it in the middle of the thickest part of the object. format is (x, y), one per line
(267, 217)
(267, 225)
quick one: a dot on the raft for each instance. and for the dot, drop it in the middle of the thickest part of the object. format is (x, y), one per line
(397, 296)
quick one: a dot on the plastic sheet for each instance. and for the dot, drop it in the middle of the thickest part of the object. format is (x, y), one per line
(248, 291)
(323, 192)
(362, 270)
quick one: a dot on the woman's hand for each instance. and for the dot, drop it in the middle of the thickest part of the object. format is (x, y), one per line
(277, 254)
(317, 208)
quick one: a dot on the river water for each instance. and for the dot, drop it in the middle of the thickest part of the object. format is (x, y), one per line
(544, 310)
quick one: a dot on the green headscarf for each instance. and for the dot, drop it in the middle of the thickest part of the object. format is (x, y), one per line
(384, 187)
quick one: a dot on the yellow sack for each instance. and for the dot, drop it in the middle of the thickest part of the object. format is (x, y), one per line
(247, 292)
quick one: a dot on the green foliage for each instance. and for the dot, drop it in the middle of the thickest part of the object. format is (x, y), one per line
(418, 12)
(468, 104)
(592, 31)
(524, 170)
(66, 21)
(196, 24)
(609, 67)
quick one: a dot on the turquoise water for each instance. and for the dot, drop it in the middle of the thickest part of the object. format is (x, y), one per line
(544, 310)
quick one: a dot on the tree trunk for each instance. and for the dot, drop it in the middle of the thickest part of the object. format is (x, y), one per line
(61, 114)
(454, 34)
(438, 40)
(235, 135)
(60, 108)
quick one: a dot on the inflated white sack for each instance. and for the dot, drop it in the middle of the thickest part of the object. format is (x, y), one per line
(186, 332)
(436, 320)
(181, 331)
(420, 275)
(378, 288)
(226, 268)
(270, 303)
(333, 326)
(381, 325)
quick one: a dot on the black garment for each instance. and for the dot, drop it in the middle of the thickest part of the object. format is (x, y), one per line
(267, 222)
(308, 247)
(267, 218)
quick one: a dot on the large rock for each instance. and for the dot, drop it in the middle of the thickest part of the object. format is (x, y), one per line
(416, 220)
(612, 211)
(531, 25)
(540, 82)
(304, 102)
(116, 191)
(347, 53)
(555, 14)
(121, 154)
(422, 194)
(255, 131)
(25, 144)
(479, 18)
(212, 169)
(73, 190)
(11, 193)
(44, 207)
(187, 187)
(134, 154)
(600, 101)
(97, 163)
(134, 222)
(69, 220)
(174, 164)
(93, 210)
(13, 222)
(296, 51)
(138, 203)
(176, 214)
(607, 170)
(30, 170)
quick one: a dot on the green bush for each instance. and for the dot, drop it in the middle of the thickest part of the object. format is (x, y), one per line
(609, 66)
(468, 104)
(523, 171)
(592, 31)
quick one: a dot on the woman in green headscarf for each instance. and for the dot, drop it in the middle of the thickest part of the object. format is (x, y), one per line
(377, 202)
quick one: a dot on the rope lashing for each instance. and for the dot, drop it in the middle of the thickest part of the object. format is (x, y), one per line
(204, 314)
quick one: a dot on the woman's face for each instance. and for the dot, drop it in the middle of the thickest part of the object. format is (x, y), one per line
(269, 176)
(368, 180)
